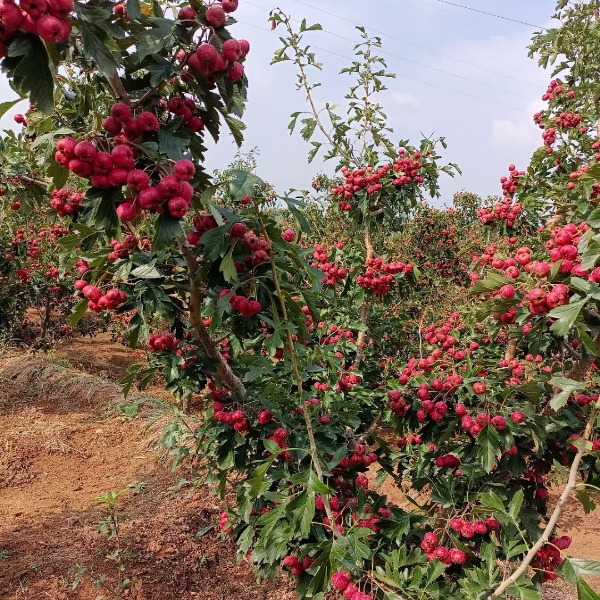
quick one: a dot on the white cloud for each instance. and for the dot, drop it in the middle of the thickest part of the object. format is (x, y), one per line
(404, 99)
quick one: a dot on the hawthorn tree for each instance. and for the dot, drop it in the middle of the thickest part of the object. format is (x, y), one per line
(230, 295)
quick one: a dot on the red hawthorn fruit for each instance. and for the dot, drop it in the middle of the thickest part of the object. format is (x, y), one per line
(235, 72)
(184, 170)
(126, 212)
(169, 186)
(117, 177)
(492, 524)
(458, 557)
(59, 8)
(215, 16)
(138, 180)
(479, 388)
(177, 207)
(102, 163)
(15, 206)
(85, 151)
(148, 123)
(289, 235)
(498, 423)
(188, 15)
(52, 30)
(123, 157)
(340, 580)
(10, 18)
(231, 50)
(507, 292)
(245, 48)
(460, 410)
(517, 417)
(120, 111)
(541, 493)
(229, 6)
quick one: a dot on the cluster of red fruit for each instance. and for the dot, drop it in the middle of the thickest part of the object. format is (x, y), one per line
(47, 19)
(357, 180)
(258, 246)
(568, 121)
(347, 382)
(202, 224)
(555, 89)
(117, 169)
(65, 202)
(469, 530)
(409, 167)
(278, 437)
(549, 558)
(97, 301)
(223, 520)
(296, 566)
(121, 249)
(207, 61)
(334, 271)
(549, 137)
(163, 342)
(338, 334)
(235, 419)
(247, 308)
(341, 581)
(433, 550)
(504, 210)
(379, 275)
(475, 424)
(541, 302)
(185, 108)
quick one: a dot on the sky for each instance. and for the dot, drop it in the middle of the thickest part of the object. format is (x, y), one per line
(484, 109)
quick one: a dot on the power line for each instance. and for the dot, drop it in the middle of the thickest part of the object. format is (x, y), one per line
(464, 62)
(406, 76)
(491, 14)
(474, 21)
(381, 51)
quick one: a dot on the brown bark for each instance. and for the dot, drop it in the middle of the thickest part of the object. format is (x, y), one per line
(361, 341)
(229, 379)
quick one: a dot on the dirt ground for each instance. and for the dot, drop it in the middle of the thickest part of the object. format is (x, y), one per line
(61, 448)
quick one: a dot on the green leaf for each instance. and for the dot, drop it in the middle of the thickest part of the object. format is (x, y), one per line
(29, 66)
(78, 313)
(99, 46)
(568, 386)
(133, 10)
(165, 229)
(566, 315)
(300, 218)
(488, 443)
(585, 592)
(6, 106)
(228, 267)
(521, 592)
(583, 566)
(586, 501)
(514, 508)
(146, 272)
(492, 282)
(173, 141)
(244, 184)
(101, 210)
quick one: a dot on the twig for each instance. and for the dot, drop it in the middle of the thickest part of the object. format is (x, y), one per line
(118, 89)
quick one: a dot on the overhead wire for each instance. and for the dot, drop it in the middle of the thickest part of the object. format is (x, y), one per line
(394, 37)
(491, 14)
(425, 66)
(474, 21)
(406, 76)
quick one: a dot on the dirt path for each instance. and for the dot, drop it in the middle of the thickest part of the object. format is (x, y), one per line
(58, 455)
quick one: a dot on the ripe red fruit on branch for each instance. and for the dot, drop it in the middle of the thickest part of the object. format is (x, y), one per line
(215, 16)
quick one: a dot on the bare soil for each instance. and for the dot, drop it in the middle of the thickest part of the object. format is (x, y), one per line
(62, 447)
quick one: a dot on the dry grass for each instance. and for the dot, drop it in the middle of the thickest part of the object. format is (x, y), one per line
(26, 378)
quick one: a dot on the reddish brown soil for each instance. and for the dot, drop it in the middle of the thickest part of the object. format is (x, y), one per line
(60, 453)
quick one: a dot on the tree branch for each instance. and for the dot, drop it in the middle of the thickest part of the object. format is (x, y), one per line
(570, 486)
(231, 381)
(116, 85)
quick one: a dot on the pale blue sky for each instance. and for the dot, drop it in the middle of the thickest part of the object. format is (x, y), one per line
(483, 138)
